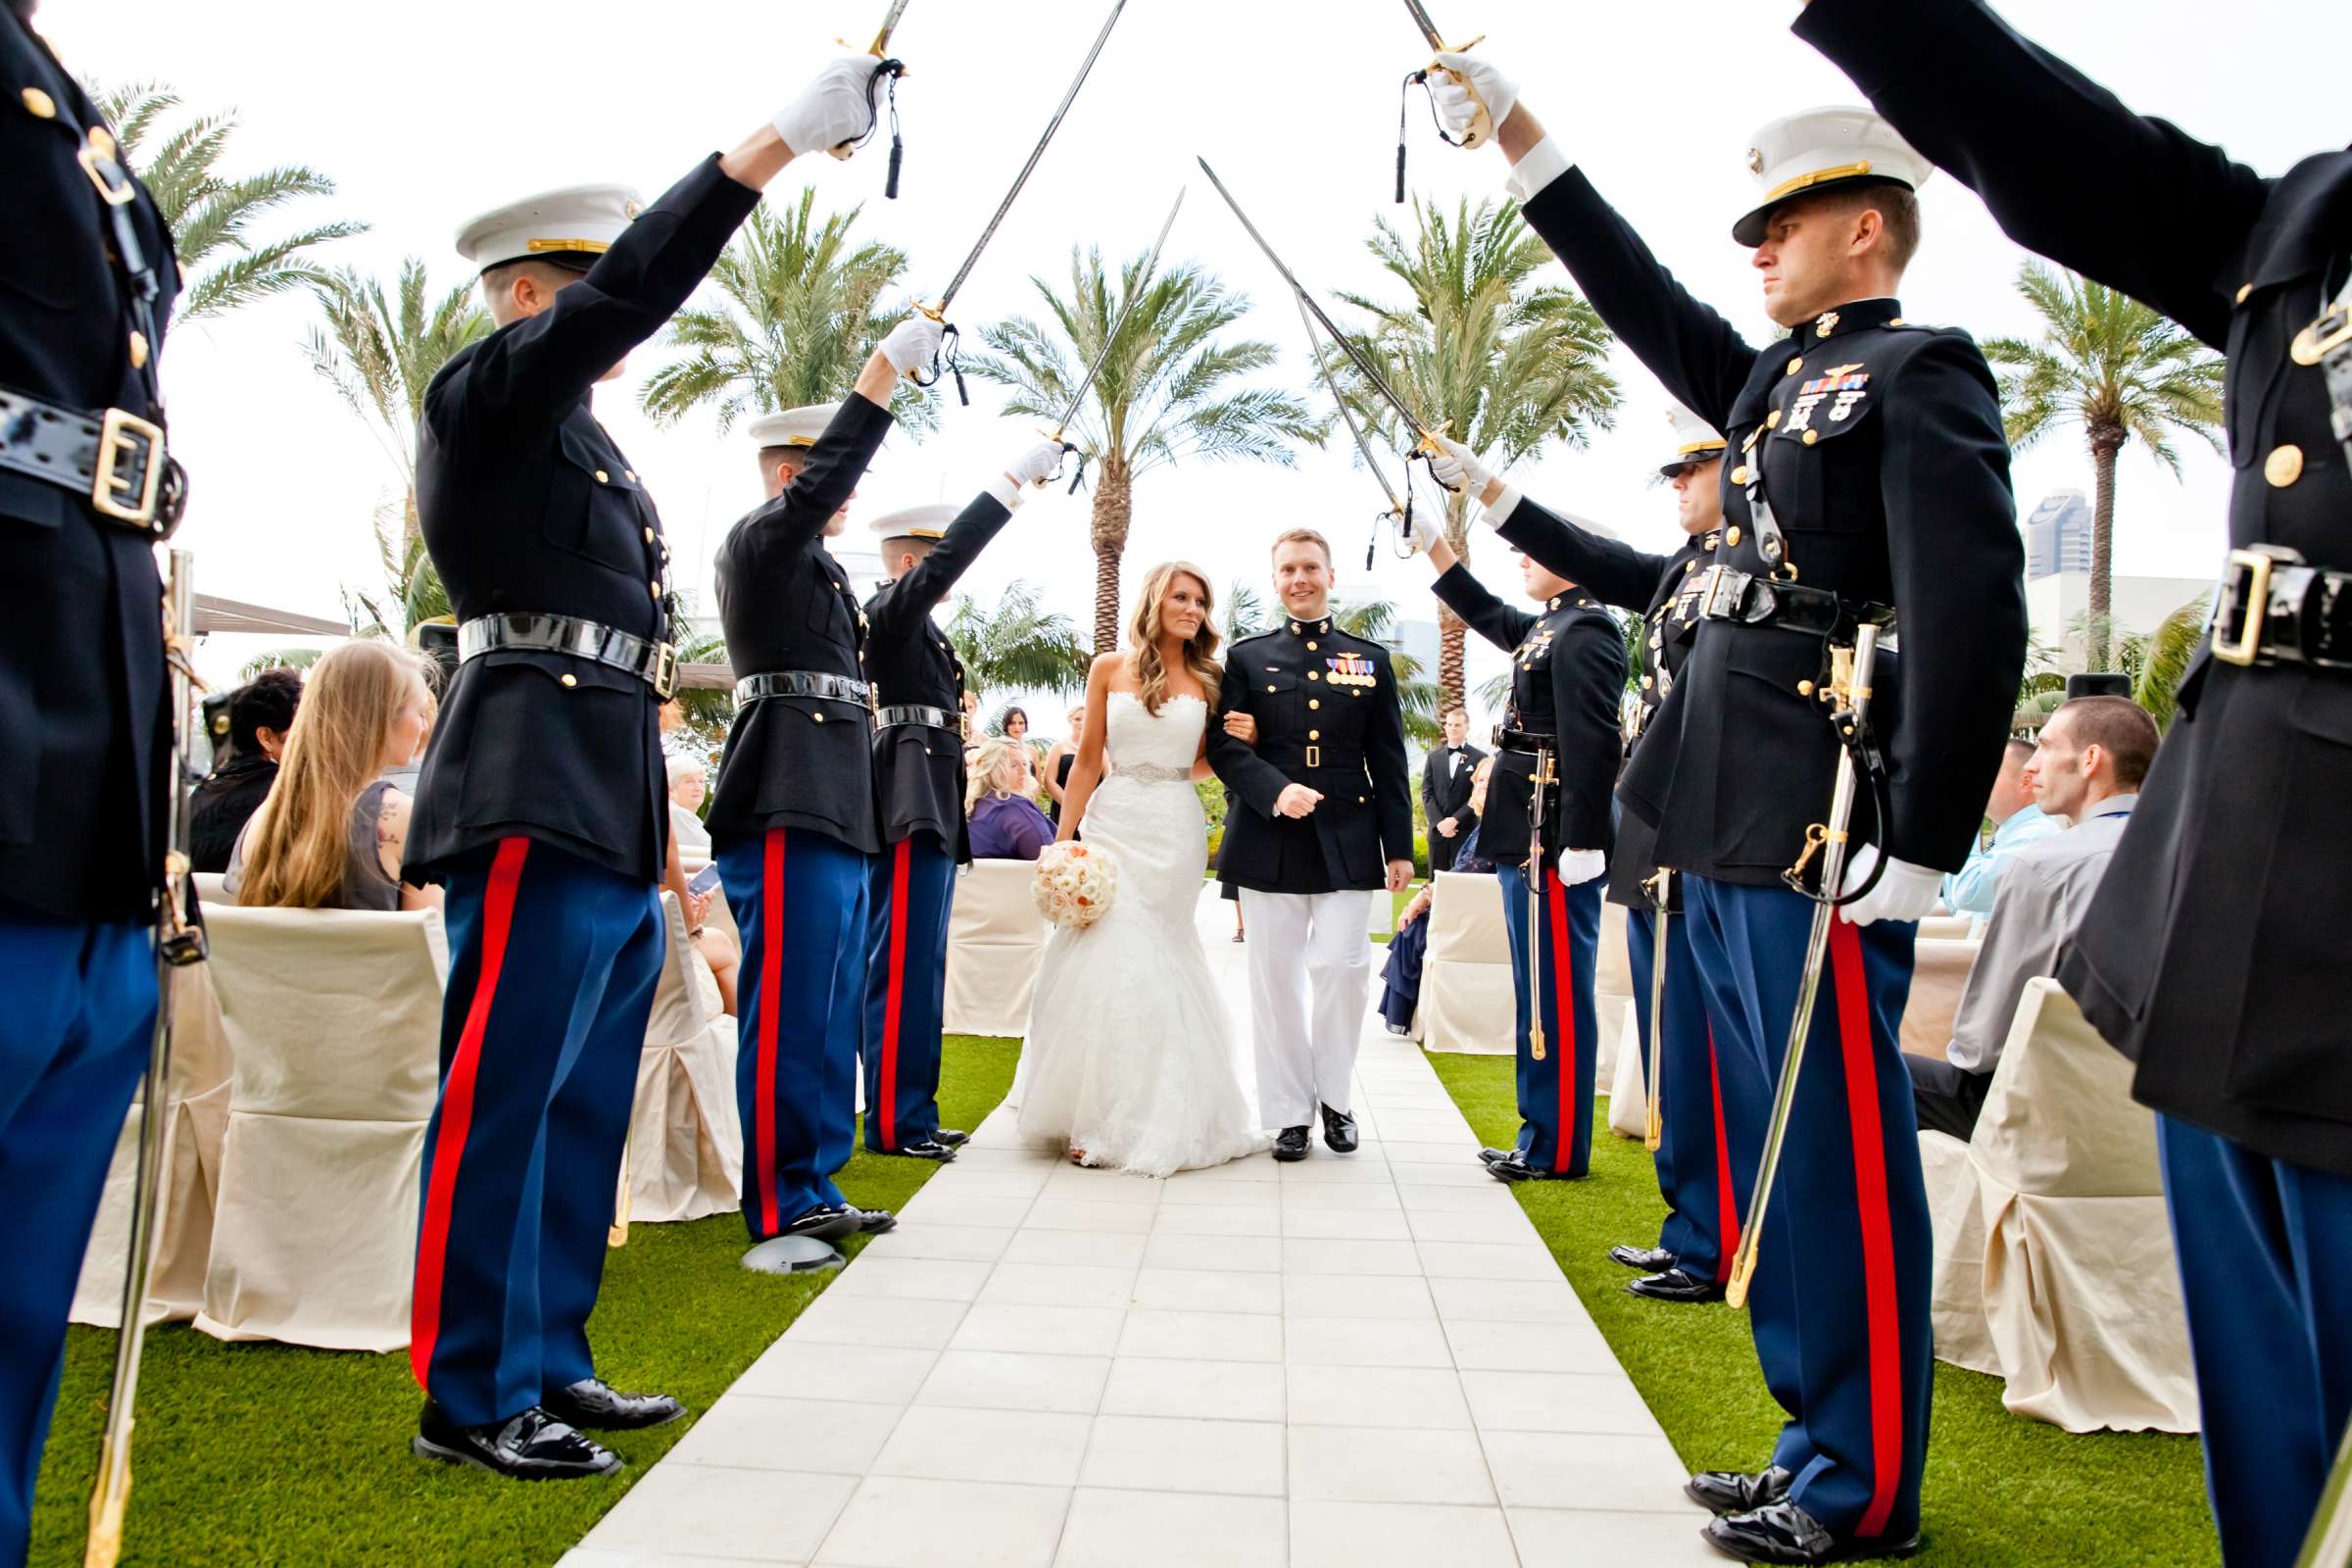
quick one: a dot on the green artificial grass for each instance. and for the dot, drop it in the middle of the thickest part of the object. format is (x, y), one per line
(1999, 1489)
(267, 1454)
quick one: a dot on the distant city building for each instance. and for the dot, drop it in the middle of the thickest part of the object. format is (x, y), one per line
(2058, 606)
(2058, 535)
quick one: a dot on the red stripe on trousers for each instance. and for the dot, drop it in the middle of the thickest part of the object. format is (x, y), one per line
(457, 1106)
(887, 1077)
(1727, 1203)
(1563, 1007)
(1878, 1226)
(771, 980)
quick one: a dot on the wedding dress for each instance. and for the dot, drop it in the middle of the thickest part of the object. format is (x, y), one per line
(1129, 1054)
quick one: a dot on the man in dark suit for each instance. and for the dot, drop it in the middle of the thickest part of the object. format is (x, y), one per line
(1445, 790)
(1319, 803)
(86, 283)
(2210, 948)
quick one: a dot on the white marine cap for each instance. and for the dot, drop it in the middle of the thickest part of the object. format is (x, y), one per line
(794, 427)
(1694, 441)
(571, 227)
(927, 521)
(1821, 148)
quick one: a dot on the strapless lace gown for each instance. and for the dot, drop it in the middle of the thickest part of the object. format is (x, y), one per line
(1129, 1053)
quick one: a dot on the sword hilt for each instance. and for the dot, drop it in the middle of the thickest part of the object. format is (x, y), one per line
(886, 70)
(951, 344)
(1069, 449)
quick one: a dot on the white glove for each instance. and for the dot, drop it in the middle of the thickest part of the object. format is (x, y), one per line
(1905, 892)
(831, 110)
(914, 343)
(1033, 466)
(1455, 106)
(1580, 866)
(1422, 536)
(1459, 469)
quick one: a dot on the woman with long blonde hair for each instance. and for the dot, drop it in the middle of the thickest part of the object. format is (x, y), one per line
(1129, 1061)
(1001, 802)
(331, 833)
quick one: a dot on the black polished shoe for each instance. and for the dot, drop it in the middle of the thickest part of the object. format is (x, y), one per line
(1488, 1157)
(1736, 1491)
(951, 1137)
(924, 1149)
(1290, 1143)
(1782, 1532)
(1648, 1259)
(595, 1405)
(826, 1222)
(531, 1447)
(1339, 1131)
(874, 1221)
(1674, 1285)
(1514, 1169)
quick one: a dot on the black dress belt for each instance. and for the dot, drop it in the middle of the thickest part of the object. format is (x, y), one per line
(916, 713)
(2273, 608)
(1520, 742)
(113, 461)
(803, 683)
(1724, 593)
(654, 664)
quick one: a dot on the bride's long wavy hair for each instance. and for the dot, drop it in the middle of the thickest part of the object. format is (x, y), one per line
(1144, 631)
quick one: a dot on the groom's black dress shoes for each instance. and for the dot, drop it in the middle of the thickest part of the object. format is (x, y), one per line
(1674, 1285)
(1290, 1143)
(531, 1447)
(1782, 1532)
(1648, 1259)
(1339, 1131)
(595, 1405)
(1736, 1491)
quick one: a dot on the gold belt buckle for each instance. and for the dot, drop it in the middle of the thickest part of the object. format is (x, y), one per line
(2331, 329)
(119, 432)
(1314, 757)
(665, 670)
(116, 193)
(2247, 583)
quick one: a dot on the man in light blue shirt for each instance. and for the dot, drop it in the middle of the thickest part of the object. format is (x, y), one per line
(2017, 821)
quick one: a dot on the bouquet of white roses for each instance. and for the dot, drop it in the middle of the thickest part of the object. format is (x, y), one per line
(1074, 884)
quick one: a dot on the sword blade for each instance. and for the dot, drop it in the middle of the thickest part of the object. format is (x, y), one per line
(880, 47)
(1363, 446)
(1035, 153)
(1363, 366)
(1654, 1130)
(1095, 367)
(1428, 28)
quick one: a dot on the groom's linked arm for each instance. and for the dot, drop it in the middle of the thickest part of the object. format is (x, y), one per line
(1256, 782)
(1392, 774)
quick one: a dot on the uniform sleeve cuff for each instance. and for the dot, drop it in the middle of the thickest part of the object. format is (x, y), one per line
(1544, 163)
(1500, 512)
(1007, 491)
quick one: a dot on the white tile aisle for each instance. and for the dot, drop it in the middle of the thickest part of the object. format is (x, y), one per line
(1342, 1363)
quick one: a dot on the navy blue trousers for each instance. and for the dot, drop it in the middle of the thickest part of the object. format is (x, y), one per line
(800, 899)
(2266, 1269)
(1400, 973)
(552, 962)
(1839, 1302)
(1555, 1095)
(912, 889)
(1705, 1190)
(74, 1040)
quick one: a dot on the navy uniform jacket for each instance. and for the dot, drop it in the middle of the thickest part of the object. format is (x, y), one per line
(528, 506)
(918, 770)
(83, 697)
(1567, 675)
(1616, 573)
(2204, 952)
(786, 604)
(1884, 463)
(1311, 685)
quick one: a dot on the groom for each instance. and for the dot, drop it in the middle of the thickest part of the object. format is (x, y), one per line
(1320, 801)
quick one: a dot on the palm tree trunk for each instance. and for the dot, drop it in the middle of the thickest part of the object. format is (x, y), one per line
(1114, 511)
(2105, 442)
(1451, 693)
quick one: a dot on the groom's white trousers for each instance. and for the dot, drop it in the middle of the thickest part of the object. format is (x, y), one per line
(1311, 962)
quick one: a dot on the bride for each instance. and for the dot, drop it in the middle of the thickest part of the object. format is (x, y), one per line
(1129, 1057)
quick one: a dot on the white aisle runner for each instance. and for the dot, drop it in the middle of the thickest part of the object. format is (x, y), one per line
(1354, 1361)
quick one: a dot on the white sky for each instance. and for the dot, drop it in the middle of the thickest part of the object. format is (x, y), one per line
(429, 112)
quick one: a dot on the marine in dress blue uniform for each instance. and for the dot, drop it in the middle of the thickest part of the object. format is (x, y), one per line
(2207, 954)
(85, 293)
(1869, 470)
(1567, 680)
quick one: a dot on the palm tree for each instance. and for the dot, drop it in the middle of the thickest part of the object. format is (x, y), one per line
(1017, 644)
(798, 314)
(1375, 620)
(379, 353)
(1165, 394)
(1508, 364)
(2122, 371)
(2164, 665)
(212, 216)
(1244, 612)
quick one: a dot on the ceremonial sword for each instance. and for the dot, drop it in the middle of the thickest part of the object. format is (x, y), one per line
(1540, 776)
(1481, 123)
(1401, 510)
(1654, 1132)
(888, 70)
(1095, 366)
(938, 311)
(2330, 1543)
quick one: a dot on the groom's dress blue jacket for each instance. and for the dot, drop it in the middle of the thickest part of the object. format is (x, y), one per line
(1327, 717)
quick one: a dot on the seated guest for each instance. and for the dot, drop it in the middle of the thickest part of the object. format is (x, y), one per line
(1007, 824)
(688, 782)
(2016, 822)
(2095, 752)
(1053, 774)
(1400, 977)
(259, 712)
(331, 834)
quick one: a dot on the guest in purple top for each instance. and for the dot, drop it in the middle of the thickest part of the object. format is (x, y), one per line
(1007, 824)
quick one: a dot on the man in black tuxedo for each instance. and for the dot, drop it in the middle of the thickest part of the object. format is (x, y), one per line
(1445, 790)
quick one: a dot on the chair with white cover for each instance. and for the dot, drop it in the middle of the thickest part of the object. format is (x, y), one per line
(996, 941)
(2054, 1262)
(1467, 999)
(1612, 988)
(333, 1017)
(685, 1133)
(1626, 1083)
